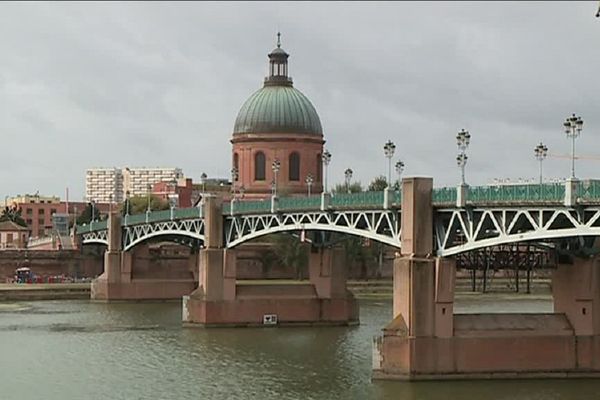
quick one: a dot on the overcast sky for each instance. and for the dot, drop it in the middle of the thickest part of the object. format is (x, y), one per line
(160, 84)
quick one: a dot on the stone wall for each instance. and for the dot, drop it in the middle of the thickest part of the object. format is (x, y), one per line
(73, 263)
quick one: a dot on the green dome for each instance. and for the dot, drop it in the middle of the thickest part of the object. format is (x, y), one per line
(278, 109)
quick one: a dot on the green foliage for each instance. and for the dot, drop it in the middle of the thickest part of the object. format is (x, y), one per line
(291, 253)
(359, 250)
(139, 204)
(86, 216)
(13, 214)
(354, 187)
(378, 184)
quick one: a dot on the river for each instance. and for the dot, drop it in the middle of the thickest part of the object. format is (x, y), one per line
(72, 350)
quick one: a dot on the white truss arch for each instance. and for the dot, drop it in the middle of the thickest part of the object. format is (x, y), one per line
(95, 237)
(461, 230)
(380, 225)
(136, 234)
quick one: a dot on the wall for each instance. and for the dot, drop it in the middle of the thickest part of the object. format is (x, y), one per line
(87, 264)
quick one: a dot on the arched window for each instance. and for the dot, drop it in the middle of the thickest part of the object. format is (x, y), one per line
(236, 165)
(259, 166)
(319, 167)
(294, 167)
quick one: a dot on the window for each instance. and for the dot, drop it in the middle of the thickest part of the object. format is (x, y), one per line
(259, 166)
(41, 211)
(29, 211)
(29, 221)
(52, 211)
(294, 167)
(236, 165)
(9, 238)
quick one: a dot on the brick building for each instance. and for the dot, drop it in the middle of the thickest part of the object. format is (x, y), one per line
(279, 126)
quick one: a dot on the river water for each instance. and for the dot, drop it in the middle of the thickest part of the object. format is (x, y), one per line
(71, 350)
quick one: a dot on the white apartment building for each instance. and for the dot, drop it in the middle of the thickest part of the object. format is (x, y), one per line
(105, 184)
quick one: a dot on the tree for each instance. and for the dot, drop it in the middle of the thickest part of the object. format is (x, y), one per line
(354, 187)
(378, 184)
(291, 252)
(90, 212)
(139, 204)
(13, 214)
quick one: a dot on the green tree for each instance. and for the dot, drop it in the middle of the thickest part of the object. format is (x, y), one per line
(378, 184)
(90, 212)
(292, 253)
(139, 204)
(354, 187)
(13, 214)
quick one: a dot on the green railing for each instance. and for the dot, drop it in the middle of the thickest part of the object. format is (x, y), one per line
(358, 200)
(299, 203)
(187, 213)
(443, 195)
(504, 193)
(588, 190)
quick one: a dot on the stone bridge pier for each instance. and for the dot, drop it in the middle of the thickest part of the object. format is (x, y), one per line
(219, 301)
(427, 340)
(128, 276)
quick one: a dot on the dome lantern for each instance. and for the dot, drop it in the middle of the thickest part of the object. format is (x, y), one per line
(278, 66)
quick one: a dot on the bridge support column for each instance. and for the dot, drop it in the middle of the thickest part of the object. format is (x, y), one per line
(425, 340)
(220, 302)
(117, 282)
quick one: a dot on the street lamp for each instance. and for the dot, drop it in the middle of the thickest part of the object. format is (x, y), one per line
(540, 151)
(326, 158)
(573, 126)
(110, 199)
(203, 177)
(388, 149)
(462, 140)
(309, 181)
(127, 203)
(93, 210)
(242, 191)
(399, 166)
(348, 178)
(148, 196)
(275, 166)
(234, 177)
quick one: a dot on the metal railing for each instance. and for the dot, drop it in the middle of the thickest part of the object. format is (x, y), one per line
(549, 192)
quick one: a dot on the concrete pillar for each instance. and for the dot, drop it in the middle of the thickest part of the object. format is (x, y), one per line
(576, 293)
(571, 186)
(112, 257)
(328, 271)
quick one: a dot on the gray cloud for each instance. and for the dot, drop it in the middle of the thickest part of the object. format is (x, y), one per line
(92, 84)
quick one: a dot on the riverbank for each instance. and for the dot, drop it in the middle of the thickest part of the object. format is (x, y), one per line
(372, 289)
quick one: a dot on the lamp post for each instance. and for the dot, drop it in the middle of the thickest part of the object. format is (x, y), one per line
(234, 177)
(573, 127)
(348, 178)
(203, 177)
(399, 166)
(148, 196)
(110, 200)
(127, 203)
(275, 166)
(540, 151)
(93, 211)
(388, 149)
(242, 191)
(326, 158)
(309, 181)
(462, 140)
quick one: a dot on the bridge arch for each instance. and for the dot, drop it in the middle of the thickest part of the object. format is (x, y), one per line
(379, 225)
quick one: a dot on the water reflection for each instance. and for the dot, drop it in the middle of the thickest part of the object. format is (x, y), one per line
(75, 350)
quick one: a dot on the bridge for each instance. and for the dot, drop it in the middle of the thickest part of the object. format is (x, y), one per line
(485, 216)
(425, 339)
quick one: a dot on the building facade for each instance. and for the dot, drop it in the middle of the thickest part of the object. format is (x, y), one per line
(13, 236)
(277, 138)
(113, 185)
